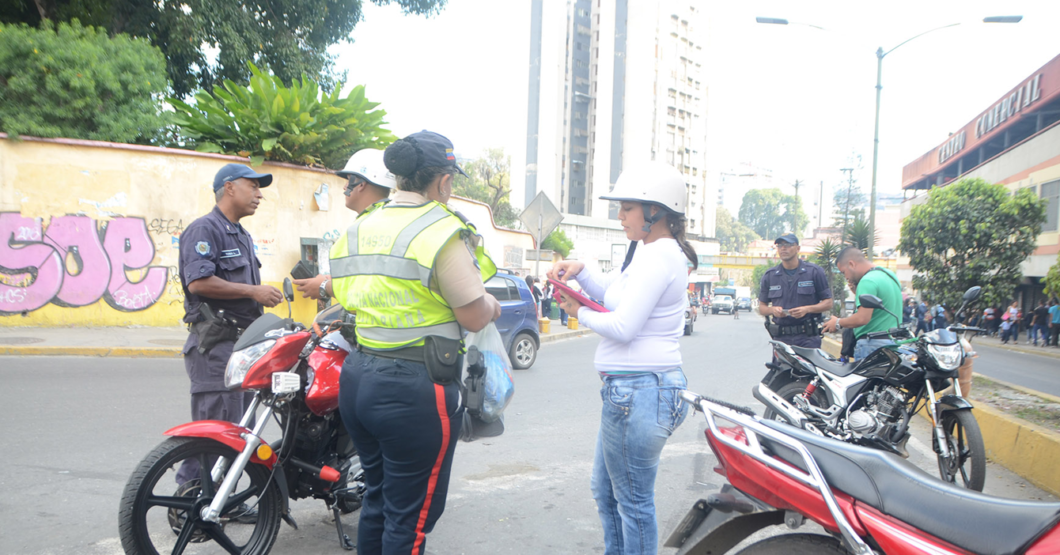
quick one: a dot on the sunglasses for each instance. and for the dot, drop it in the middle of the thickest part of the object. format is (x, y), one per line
(353, 182)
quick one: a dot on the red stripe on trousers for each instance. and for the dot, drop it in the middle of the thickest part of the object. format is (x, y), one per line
(443, 416)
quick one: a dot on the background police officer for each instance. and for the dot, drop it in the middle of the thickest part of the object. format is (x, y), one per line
(413, 271)
(368, 182)
(794, 293)
(218, 266)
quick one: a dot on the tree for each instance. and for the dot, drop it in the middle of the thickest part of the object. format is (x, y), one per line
(489, 181)
(291, 37)
(824, 257)
(971, 233)
(269, 121)
(756, 277)
(1052, 279)
(71, 81)
(858, 232)
(558, 241)
(733, 235)
(771, 213)
(852, 194)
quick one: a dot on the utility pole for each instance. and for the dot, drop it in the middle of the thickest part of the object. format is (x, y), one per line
(795, 220)
(846, 210)
(820, 207)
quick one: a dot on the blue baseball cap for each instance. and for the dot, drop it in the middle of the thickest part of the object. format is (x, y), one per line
(231, 172)
(787, 238)
(424, 149)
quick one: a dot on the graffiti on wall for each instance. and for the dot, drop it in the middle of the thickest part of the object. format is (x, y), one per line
(76, 262)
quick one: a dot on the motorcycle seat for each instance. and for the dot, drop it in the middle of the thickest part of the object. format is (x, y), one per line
(968, 519)
(820, 359)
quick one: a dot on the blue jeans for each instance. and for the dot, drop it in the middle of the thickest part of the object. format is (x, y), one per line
(1040, 330)
(639, 413)
(865, 347)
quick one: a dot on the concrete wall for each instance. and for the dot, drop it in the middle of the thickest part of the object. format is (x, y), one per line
(91, 230)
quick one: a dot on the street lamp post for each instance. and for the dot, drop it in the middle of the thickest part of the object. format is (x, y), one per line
(880, 54)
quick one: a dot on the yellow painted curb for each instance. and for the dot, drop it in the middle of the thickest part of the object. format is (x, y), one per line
(131, 352)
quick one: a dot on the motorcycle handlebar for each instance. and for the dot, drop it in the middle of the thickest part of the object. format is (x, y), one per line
(893, 332)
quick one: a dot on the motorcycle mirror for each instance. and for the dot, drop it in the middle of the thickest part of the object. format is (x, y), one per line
(871, 301)
(972, 294)
(288, 294)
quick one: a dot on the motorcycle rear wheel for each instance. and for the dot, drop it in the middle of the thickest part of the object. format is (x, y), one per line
(788, 393)
(963, 438)
(796, 544)
(167, 530)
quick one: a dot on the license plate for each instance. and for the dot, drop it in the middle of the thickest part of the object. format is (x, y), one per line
(285, 382)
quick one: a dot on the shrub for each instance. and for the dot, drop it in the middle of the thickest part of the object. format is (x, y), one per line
(77, 82)
(268, 121)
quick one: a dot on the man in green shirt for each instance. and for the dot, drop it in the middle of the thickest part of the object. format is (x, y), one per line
(869, 280)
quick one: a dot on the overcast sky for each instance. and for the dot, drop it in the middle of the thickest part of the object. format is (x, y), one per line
(793, 99)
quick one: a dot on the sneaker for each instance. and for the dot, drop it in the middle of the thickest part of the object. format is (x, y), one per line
(242, 514)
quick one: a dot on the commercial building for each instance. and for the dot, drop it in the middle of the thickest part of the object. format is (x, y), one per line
(1014, 141)
(611, 83)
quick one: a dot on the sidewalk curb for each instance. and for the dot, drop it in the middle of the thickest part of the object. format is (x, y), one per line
(61, 351)
(1023, 349)
(1025, 448)
(553, 337)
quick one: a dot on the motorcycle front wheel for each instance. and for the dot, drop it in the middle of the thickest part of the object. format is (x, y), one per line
(966, 464)
(162, 502)
(796, 544)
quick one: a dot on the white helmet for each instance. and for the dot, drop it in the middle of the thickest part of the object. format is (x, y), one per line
(651, 182)
(368, 165)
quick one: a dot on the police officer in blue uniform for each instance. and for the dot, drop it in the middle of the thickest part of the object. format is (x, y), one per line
(792, 295)
(218, 267)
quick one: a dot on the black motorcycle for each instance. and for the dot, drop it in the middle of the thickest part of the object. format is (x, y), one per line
(871, 401)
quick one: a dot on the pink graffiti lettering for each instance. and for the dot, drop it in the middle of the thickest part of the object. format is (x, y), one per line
(19, 256)
(76, 262)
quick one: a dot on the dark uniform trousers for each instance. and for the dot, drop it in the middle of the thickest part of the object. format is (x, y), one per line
(210, 405)
(405, 428)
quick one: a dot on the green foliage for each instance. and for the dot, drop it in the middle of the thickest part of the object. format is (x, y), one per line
(1052, 279)
(858, 233)
(268, 121)
(489, 181)
(824, 256)
(771, 213)
(733, 235)
(756, 277)
(558, 241)
(291, 37)
(77, 82)
(971, 233)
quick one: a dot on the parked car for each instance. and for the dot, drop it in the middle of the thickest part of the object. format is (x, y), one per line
(722, 303)
(518, 320)
(744, 304)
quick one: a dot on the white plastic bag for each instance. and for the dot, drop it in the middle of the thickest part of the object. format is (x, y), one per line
(490, 392)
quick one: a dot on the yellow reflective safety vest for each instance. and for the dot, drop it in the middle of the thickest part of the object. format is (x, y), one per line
(381, 268)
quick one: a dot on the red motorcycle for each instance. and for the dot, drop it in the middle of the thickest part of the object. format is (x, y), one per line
(869, 501)
(221, 482)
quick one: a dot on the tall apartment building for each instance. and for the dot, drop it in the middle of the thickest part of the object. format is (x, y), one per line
(611, 83)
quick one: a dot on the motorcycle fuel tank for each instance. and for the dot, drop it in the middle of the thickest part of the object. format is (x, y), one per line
(326, 364)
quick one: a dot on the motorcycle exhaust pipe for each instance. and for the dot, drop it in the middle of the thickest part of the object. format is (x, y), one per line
(769, 398)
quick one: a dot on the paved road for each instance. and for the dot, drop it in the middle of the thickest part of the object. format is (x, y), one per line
(76, 427)
(1037, 372)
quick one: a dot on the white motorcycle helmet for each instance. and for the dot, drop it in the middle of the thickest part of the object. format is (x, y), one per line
(368, 165)
(651, 183)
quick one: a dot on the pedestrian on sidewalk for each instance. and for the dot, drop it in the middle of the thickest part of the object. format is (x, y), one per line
(219, 270)
(559, 301)
(1013, 313)
(1006, 329)
(989, 320)
(546, 301)
(922, 323)
(939, 320)
(1040, 324)
(1054, 321)
(639, 357)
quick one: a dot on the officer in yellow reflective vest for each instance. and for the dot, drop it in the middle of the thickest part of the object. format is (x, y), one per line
(413, 271)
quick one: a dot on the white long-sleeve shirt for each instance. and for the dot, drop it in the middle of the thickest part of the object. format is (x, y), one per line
(647, 303)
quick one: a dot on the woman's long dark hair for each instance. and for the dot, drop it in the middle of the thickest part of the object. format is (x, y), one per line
(677, 229)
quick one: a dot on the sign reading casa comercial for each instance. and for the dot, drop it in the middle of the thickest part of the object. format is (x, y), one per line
(1021, 98)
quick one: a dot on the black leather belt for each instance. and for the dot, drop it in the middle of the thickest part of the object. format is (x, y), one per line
(414, 354)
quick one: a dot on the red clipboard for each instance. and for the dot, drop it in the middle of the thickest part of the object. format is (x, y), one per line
(585, 301)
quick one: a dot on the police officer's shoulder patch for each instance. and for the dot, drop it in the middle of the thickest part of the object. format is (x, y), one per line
(203, 248)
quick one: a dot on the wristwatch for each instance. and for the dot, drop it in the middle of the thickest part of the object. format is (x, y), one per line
(324, 290)
(838, 326)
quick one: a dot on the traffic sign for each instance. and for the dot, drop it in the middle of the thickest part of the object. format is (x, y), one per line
(541, 217)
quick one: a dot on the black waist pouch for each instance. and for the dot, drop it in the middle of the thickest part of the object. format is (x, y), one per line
(442, 358)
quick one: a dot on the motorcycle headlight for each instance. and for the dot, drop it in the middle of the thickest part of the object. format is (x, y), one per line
(242, 360)
(947, 356)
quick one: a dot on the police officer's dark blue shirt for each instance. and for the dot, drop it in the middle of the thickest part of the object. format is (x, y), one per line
(214, 246)
(807, 286)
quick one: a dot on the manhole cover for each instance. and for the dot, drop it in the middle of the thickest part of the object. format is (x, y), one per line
(19, 340)
(173, 342)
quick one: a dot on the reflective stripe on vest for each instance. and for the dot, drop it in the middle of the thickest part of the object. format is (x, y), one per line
(381, 268)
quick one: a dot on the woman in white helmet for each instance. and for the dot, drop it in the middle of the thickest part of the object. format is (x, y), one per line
(639, 358)
(367, 182)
